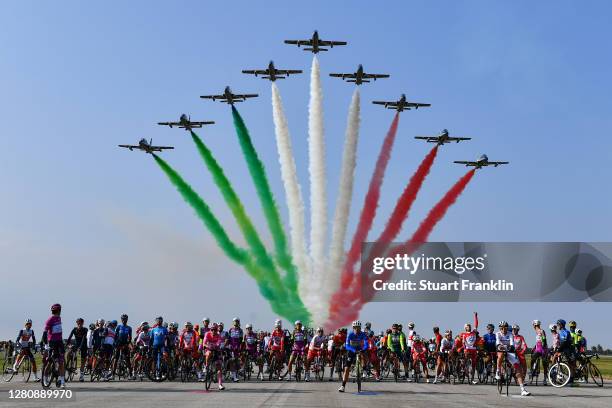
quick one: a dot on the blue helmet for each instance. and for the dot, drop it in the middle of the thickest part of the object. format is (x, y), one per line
(561, 322)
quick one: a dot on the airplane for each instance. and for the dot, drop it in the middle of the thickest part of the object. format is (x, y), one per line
(185, 122)
(482, 161)
(315, 44)
(229, 97)
(359, 76)
(146, 146)
(442, 138)
(272, 73)
(401, 104)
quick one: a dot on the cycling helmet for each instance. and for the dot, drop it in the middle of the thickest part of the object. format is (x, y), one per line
(159, 319)
(553, 327)
(145, 326)
(56, 308)
(410, 325)
(561, 322)
(536, 322)
(28, 321)
(503, 323)
(188, 324)
(356, 323)
(579, 331)
(124, 317)
(572, 323)
(490, 326)
(101, 322)
(319, 330)
(416, 338)
(278, 323)
(516, 327)
(92, 326)
(465, 326)
(80, 320)
(399, 326)
(447, 332)
(221, 324)
(298, 322)
(174, 325)
(215, 326)
(249, 326)
(113, 322)
(206, 320)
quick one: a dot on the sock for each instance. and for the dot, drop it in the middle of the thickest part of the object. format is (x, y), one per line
(343, 383)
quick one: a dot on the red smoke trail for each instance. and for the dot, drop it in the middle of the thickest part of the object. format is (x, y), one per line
(354, 299)
(393, 227)
(370, 205)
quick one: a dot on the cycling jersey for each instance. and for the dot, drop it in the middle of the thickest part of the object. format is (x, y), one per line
(468, 339)
(188, 340)
(298, 338)
(277, 340)
(396, 341)
(504, 340)
(490, 341)
(80, 337)
(158, 336)
(519, 344)
(317, 342)
(213, 341)
(408, 339)
(356, 341)
(144, 338)
(25, 337)
(124, 334)
(53, 328)
(446, 345)
(565, 339)
(250, 341)
(235, 338)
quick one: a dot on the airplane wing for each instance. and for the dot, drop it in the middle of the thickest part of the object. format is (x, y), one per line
(430, 139)
(467, 163)
(168, 123)
(458, 139)
(386, 103)
(375, 76)
(130, 147)
(245, 96)
(254, 71)
(160, 148)
(208, 122)
(343, 75)
(299, 42)
(326, 43)
(213, 97)
(497, 163)
(417, 104)
(288, 71)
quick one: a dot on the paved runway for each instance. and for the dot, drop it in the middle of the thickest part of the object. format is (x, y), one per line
(313, 394)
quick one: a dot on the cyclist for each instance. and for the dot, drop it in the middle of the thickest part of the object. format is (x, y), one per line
(521, 347)
(212, 343)
(80, 344)
(188, 344)
(368, 329)
(143, 342)
(298, 338)
(373, 354)
(52, 337)
(406, 356)
(276, 344)
(107, 347)
(505, 343)
(27, 340)
(123, 340)
(566, 347)
(334, 348)
(396, 344)
(250, 342)
(419, 353)
(446, 346)
(540, 350)
(315, 348)
(468, 341)
(236, 336)
(581, 342)
(356, 342)
(159, 335)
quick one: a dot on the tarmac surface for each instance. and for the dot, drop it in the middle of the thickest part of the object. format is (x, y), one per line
(302, 394)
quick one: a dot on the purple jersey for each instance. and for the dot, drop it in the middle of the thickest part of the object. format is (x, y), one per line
(250, 340)
(299, 340)
(235, 337)
(53, 327)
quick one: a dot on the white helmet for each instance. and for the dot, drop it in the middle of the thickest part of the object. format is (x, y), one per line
(356, 323)
(298, 322)
(206, 319)
(278, 323)
(411, 325)
(236, 319)
(249, 326)
(416, 338)
(536, 322)
(28, 321)
(553, 327)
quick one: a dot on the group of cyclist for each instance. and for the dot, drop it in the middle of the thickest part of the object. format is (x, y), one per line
(101, 344)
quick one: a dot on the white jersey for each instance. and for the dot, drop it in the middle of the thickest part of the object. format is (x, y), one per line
(446, 345)
(26, 337)
(317, 342)
(506, 340)
(90, 338)
(409, 337)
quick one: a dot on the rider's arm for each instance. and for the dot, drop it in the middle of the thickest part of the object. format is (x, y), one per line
(366, 344)
(33, 341)
(347, 343)
(18, 336)
(403, 341)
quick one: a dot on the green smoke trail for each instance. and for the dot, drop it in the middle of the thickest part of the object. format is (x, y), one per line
(204, 213)
(290, 308)
(244, 222)
(258, 173)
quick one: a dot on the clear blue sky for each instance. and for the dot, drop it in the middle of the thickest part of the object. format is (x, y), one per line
(529, 81)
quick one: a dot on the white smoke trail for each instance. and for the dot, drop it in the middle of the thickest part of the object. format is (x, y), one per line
(293, 193)
(345, 194)
(318, 193)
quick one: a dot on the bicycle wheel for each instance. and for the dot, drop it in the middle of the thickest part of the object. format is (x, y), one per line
(209, 376)
(25, 370)
(69, 365)
(509, 374)
(7, 369)
(595, 374)
(559, 375)
(358, 372)
(48, 374)
(535, 371)
(481, 370)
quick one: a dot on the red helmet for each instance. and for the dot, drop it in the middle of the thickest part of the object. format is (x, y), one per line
(56, 308)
